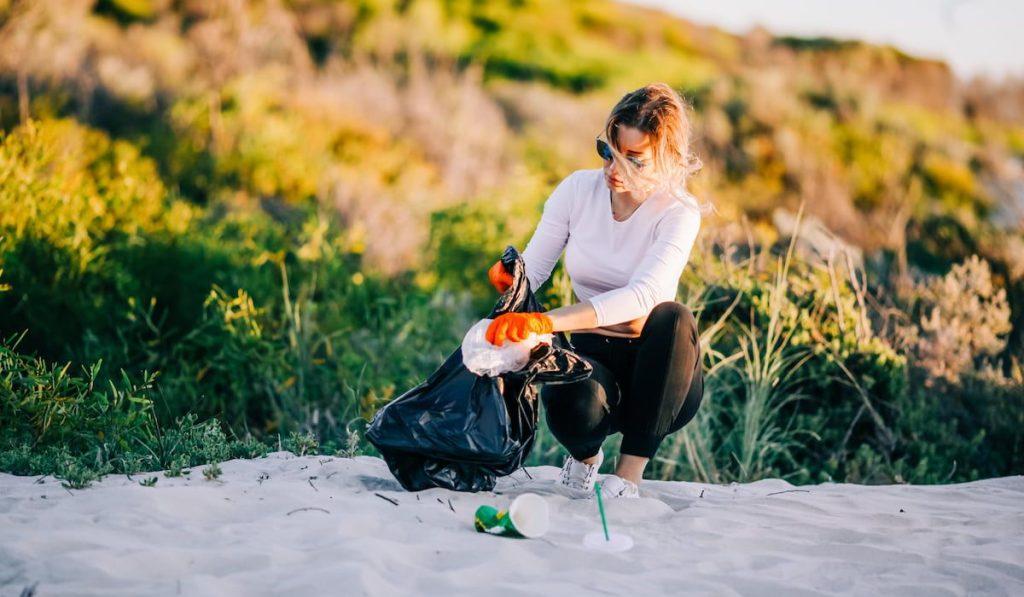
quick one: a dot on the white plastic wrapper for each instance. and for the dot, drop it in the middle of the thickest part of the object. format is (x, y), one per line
(483, 358)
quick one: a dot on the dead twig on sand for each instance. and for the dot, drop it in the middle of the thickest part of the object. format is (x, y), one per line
(451, 506)
(789, 491)
(311, 484)
(304, 509)
(384, 497)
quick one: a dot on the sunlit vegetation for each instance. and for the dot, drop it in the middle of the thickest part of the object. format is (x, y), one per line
(228, 227)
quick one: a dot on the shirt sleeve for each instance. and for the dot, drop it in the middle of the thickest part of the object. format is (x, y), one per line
(656, 276)
(551, 235)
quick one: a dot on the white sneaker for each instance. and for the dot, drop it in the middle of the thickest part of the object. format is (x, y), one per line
(578, 476)
(614, 486)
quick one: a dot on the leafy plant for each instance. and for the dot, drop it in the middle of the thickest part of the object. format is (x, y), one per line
(301, 444)
(212, 472)
(177, 467)
(351, 449)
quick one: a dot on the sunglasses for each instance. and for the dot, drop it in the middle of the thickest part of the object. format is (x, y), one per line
(605, 151)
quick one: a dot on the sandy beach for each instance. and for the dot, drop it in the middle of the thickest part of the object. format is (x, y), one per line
(343, 526)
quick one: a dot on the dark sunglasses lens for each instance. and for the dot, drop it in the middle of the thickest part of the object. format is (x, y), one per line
(603, 150)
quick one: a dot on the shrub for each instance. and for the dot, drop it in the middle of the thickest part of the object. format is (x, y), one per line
(44, 404)
(212, 472)
(963, 322)
(795, 379)
(60, 423)
(960, 418)
(301, 444)
(68, 195)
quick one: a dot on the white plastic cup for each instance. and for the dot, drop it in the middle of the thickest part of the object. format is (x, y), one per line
(530, 515)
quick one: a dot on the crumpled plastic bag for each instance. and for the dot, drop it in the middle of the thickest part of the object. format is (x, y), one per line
(459, 430)
(483, 358)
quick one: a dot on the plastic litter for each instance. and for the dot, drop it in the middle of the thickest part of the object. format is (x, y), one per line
(483, 358)
(459, 430)
(527, 516)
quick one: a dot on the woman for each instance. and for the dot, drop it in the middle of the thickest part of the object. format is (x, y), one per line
(627, 230)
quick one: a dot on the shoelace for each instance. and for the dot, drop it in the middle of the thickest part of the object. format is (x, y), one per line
(567, 473)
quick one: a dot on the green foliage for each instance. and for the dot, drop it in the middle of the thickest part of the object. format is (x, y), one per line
(304, 340)
(212, 472)
(961, 414)
(127, 11)
(878, 162)
(301, 444)
(815, 44)
(254, 228)
(68, 196)
(75, 475)
(257, 144)
(940, 241)
(66, 425)
(48, 405)
(177, 467)
(962, 322)
(89, 189)
(352, 447)
(953, 184)
(765, 375)
(466, 240)
(796, 383)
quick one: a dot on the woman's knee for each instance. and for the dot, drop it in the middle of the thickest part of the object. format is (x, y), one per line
(674, 318)
(578, 415)
(572, 406)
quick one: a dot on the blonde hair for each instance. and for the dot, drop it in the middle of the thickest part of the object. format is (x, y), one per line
(660, 112)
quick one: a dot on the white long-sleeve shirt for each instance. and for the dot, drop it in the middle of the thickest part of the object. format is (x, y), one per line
(623, 268)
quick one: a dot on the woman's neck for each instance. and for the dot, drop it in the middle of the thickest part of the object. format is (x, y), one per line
(624, 204)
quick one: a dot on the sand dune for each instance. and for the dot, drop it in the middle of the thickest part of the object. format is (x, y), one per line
(328, 526)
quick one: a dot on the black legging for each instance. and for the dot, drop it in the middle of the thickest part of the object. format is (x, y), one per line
(646, 387)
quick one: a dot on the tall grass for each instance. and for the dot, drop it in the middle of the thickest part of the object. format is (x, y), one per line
(139, 242)
(777, 358)
(743, 429)
(767, 376)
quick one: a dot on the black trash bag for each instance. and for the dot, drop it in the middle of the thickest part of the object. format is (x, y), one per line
(459, 430)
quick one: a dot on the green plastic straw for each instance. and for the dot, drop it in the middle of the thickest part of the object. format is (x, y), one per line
(600, 506)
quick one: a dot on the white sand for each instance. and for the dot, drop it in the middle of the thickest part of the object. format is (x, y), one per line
(240, 536)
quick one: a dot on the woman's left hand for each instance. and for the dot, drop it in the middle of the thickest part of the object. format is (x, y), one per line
(500, 279)
(517, 327)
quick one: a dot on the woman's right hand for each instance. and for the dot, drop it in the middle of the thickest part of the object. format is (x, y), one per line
(517, 327)
(500, 279)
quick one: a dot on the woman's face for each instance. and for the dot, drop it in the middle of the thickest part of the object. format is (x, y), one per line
(632, 142)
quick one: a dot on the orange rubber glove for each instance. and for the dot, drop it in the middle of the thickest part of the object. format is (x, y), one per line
(500, 279)
(517, 327)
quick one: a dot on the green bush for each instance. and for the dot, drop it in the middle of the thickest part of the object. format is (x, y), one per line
(45, 404)
(266, 324)
(57, 422)
(796, 380)
(68, 196)
(225, 232)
